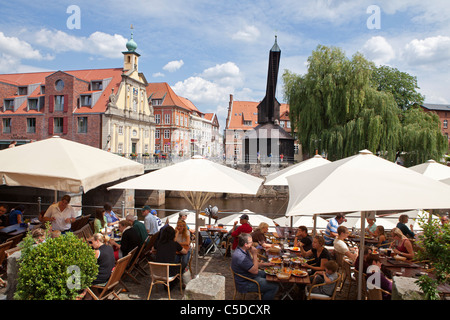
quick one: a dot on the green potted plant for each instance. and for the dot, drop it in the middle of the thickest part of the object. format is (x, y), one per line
(434, 246)
(56, 269)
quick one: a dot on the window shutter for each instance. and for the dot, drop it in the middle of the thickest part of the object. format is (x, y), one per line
(51, 103)
(66, 103)
(65, 123)
(50, 126)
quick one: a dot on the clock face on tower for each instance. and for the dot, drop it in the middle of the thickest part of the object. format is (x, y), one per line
(59, 84)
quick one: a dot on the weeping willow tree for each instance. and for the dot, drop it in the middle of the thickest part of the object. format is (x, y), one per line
(337, 108)
(422, 138)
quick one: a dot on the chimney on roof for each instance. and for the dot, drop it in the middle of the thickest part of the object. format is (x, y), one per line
(230, 104)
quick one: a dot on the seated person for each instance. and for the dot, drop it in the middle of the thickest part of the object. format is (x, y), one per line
(371, 227)
(245, 262)
(302, 238)
(167, 248)
(105, 258)
(259, 236)
(130, 239)
(111, 217)
(367, 252)
(402, 221)
(383, 242)
(341, 247)
(328, 276)
(373, 260)
(16, 215)
(318, 253)
(402, 246)
(183, 237)
(100, 222)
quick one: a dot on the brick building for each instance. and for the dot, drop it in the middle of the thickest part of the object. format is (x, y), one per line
(181, 129)
(242, 117)
(103, 108)
(443, 112)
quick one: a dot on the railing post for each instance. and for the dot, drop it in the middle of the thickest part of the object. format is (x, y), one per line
(123, 209)
(39, 204)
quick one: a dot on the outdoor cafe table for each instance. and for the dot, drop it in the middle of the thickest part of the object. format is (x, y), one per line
(288, 285)
(392, 267)
(215, 234)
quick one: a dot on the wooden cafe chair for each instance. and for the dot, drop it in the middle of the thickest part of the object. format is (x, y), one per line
(258, 292)
(3, 248)
(317, 296)
(160, 273)
(103, 291)
(376, 293)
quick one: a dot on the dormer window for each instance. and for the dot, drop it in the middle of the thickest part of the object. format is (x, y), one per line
(97, 85)
(156, 102)
(33, 104)
(85, 100)
(23, 91)
(8, 104)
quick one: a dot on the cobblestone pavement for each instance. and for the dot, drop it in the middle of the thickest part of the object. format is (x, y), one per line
(214, 264)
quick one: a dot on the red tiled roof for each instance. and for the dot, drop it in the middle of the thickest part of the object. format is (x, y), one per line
(162, 90)
(247, 111)
(23, 79)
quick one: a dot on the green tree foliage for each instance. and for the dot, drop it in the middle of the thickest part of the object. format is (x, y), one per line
(434, 246)
(337, 108)
(57, 269)
(401, 84)
(421, 137)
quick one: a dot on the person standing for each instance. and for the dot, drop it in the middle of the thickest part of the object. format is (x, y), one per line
(245, 227)
(331, 230)
(150, 222)
(61, 215)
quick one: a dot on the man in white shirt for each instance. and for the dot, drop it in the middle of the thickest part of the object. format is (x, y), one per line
(61, 215)
(341, 247)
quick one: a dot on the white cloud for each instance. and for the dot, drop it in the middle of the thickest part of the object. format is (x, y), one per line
(13, 51)
(173, 66)
(227, 74)
(14, 47)
(158, 75)
(248, 34)
(378, 50)
(98, 43)
(429, 50)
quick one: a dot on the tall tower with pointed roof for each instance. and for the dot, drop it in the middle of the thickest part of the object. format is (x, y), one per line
(131, 57)
(268, 139)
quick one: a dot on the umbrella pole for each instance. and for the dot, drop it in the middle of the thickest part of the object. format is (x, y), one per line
(315, 224)
(362, 235)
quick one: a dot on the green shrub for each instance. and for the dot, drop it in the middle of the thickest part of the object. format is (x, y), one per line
(57, 269)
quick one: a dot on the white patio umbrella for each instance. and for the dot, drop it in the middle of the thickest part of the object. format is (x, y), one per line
(354, 221)
(254, 219)
(433, 170)
(173, 218)
(279, 178)
(197, 179)
(63, 165)
(414, 217)
(307, 221)
(363, 183)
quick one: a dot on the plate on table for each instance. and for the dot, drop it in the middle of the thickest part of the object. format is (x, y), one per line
(298, 260)
(295, 249)
(275, 260)
(271, 270)
(299, 273)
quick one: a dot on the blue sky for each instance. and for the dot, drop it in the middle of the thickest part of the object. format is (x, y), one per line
(208, 49)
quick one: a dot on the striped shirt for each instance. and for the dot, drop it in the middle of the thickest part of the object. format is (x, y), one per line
(331, 227)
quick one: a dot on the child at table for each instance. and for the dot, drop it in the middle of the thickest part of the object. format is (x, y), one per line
(328, 276)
